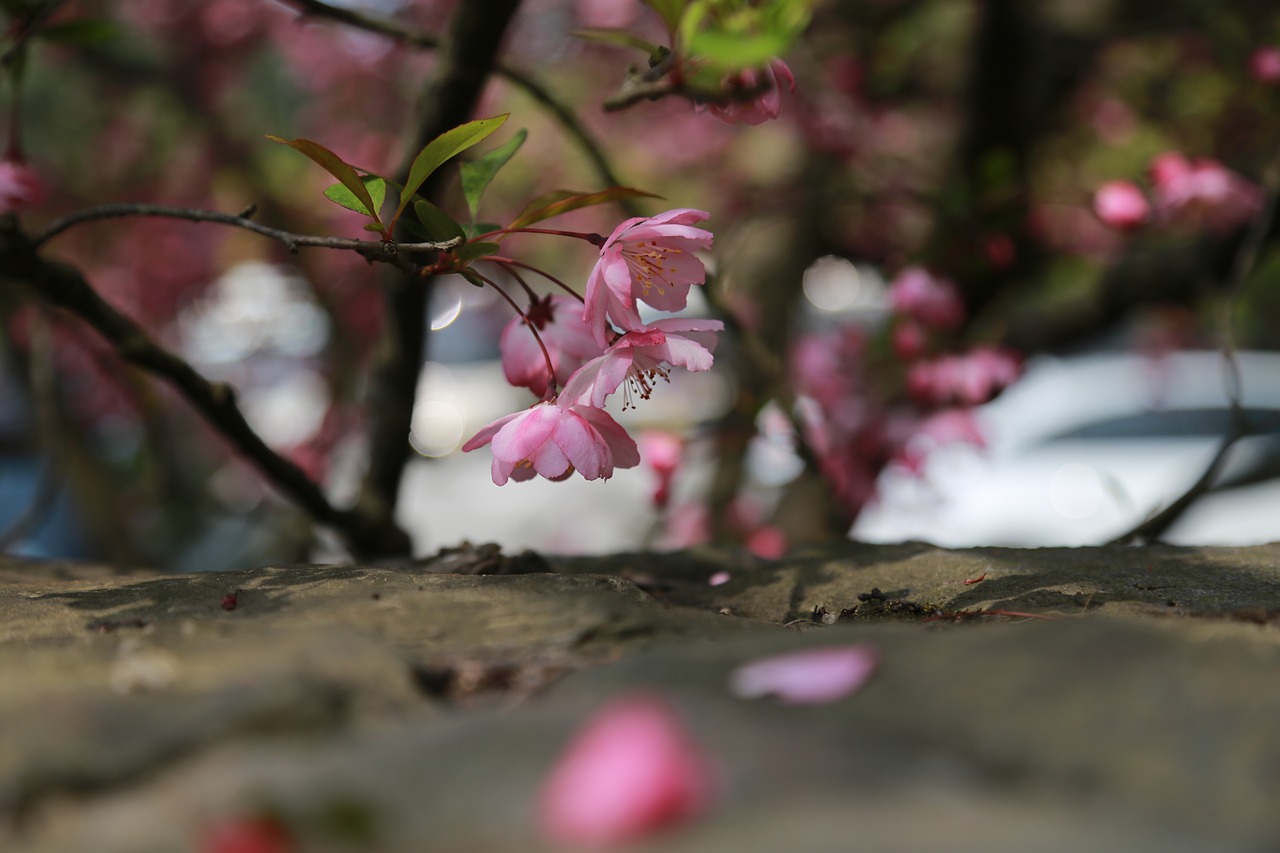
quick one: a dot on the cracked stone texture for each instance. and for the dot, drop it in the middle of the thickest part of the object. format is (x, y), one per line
(418, 707)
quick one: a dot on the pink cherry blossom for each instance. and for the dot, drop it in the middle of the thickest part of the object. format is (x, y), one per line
(932, 301)
(569, 342)
(633, 770)
(1121, 205)
(970, 378)
(761, 107)
(808, 677)
(19, 187)
(636, 360)
(1264, 65)
(1203, 192)
(647, 258)
(555, 441)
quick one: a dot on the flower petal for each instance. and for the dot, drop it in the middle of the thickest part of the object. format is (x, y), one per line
(811, 676)
(631, 771)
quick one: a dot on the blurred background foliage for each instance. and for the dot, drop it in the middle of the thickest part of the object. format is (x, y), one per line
(964, 136)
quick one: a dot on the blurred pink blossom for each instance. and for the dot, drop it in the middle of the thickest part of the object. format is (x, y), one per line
(607, 13)
(19, 187)
(970, 379)
(1121, 205)
(662, 452)
(765, 105)
(646, 258)
(1202, 192)
(909, 340)
(631, 771)
(554, 441)
(569, 343)
(1264, 65)
(248, 835)
(932, 301)
(808, 677)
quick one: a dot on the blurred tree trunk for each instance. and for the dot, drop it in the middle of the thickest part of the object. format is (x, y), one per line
(463, 66)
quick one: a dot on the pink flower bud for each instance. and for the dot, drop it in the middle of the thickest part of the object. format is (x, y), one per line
(19, 187)
(1121, 205)
(931, 300)
(631, 771)
(1264, 65)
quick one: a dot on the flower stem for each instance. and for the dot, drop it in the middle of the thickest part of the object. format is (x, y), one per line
(592, 238)
(552, 385)
(512, 262)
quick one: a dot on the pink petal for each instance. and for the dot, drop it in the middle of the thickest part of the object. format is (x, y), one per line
(811, 676)
(621, 445)
(631, 771)
(584, 447)
(526, 433)
(486, 433)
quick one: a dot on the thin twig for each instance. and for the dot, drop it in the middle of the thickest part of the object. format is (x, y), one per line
(374, 250)
(543, 96)
(1245, 258)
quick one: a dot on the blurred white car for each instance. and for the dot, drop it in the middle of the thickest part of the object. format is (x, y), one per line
(1082, 449)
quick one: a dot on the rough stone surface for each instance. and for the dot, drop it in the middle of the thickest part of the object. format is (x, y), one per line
(1118, 699)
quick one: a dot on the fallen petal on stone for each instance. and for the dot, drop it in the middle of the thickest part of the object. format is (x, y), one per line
(632, 770)
(807, 677)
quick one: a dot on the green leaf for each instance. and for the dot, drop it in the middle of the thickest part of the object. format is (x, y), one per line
(621, 38)
(340, 195)
(440, 149)
(563, 201)
(80, 32)
(469, 252)
(471, 276)
(670, 11)
(477, 175)
(730, 52)
(334, 165)
(438, 225)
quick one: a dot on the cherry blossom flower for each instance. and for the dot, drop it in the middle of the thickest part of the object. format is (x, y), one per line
(763, 106)
(932, 301)
(635, 360)
(1264, 65)
(970, 378)
(631, 771)
(807, 677)
(569, 343)
(19, 187)
(1121, 205)
(650, 259)
(1203, 192)
(555, 441)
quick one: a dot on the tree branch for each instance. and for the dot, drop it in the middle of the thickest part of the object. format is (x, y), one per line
(1245, 259)
(373, 250)
(64, 286)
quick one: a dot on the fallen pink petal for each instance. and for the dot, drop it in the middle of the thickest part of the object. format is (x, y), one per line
(808, 677)
(631, 771)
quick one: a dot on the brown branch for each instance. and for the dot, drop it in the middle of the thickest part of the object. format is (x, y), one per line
(64, 286)
(1245, 259)
(373, 250)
